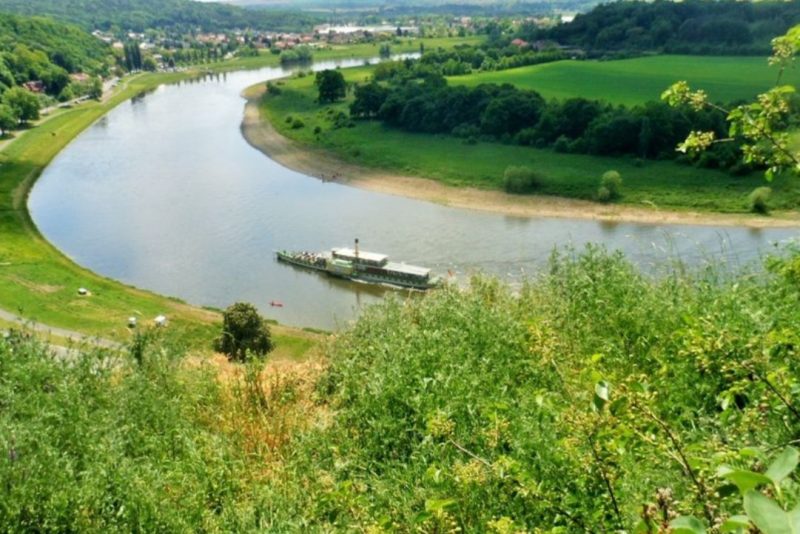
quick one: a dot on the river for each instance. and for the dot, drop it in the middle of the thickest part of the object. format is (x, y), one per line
(164, 193)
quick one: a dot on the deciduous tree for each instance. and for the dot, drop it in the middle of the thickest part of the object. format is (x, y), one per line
(244, 333)
(331, 85)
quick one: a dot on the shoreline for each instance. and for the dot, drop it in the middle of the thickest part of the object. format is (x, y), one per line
(325, 165)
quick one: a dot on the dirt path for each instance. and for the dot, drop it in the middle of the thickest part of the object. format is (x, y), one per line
(325, 165)
(71, 335)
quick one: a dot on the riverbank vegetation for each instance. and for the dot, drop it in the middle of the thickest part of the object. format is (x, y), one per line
(480, 162)
(594, 399)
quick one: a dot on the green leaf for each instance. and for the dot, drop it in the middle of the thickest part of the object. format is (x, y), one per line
(687, 525)
(600, 394)
(436, 505)
(784, 465)
(737, 524)
(767, 515)
(744, 480)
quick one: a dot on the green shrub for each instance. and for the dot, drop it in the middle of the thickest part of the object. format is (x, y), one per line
(297, 124)
(520, 180)
(273, 89)
(758, 200)
(562, 144)
(610, 186)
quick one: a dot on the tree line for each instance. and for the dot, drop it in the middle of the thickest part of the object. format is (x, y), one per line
(725, 27)
(505, 113)
(178, 15)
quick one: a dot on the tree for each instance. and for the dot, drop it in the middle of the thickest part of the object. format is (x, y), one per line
(8, 119)
(149, 64)
(331, 85)
(368, 100)
(244, 333)
(762, 124)
(96, 89)
(24, 104)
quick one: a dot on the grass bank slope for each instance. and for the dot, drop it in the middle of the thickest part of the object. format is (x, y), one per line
(368, 144)
(562, 407)
(635, 81)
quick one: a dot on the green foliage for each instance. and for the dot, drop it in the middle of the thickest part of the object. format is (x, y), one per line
(301, 54)
(331, 86)
(93, 444)
(610, 186)
(762, 512)
(8, 119)
(758, 200)
(23, 104)
(693, 27)
(179, 15)
(297, 124)
(520, 180)
(244, 333)
(564, 406)
(571, 174)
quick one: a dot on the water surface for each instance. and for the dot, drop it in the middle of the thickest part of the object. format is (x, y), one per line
(165, 194)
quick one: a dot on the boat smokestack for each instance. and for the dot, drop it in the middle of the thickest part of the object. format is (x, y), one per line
(356, 249)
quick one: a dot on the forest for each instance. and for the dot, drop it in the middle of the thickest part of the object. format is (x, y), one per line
(181, 15)
(692, 27)
(35, 49)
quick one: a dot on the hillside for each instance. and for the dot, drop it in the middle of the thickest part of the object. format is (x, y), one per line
(587, 401)
(39, 49)
(692, 27)
(65, 45)
(639, 80)
(139, 15)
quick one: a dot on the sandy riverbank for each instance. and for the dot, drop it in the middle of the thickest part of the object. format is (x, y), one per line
(325, 165)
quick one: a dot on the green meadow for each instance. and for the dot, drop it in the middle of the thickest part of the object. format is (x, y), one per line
(665, 184)
(634, 81)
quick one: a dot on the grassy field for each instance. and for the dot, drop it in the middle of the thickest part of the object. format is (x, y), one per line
(449, 160)
(634, 81)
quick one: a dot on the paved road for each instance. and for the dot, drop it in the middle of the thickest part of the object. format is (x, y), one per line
(72, 335)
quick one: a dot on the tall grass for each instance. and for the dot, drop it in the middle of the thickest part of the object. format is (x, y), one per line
(562, 407)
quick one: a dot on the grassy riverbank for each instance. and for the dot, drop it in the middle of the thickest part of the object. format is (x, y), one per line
(447, 160)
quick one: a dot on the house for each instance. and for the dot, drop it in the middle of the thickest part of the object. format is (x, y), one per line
(519, 43)
(36, 86)
(80, 77)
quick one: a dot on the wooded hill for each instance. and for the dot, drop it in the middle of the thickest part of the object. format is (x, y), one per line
(140, 15)
(691, 27)
(34, 48)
